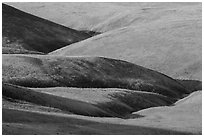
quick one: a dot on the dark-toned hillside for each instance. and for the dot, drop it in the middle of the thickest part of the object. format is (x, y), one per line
(25, 33)
(86, 72)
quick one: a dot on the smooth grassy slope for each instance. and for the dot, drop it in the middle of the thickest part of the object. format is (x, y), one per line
(171, 38)
(160, 36)
(161, 47)
(65, 104)
(89, 102)
(186, 115)
(115, 101)
(10, 103)
(87, 72)
(183, 118)
(26, 33)
(104, 17)
(25, 122)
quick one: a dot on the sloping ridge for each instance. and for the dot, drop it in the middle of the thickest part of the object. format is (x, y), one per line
(26, 33)
(194, 98)
(186, 115)
(162, 45)
(117, 103)
(86, 72)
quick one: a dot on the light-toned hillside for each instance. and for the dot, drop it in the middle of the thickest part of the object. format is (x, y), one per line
(173, 48)
(135, 77)
(108, 16)
(185, 115)
(171, 45)
(165, 37)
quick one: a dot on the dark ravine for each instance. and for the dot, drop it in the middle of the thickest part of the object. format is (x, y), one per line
(24, 33)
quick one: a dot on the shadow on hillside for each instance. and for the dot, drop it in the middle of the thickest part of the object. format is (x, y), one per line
(191, 85)
(54, 124)
(27, 33)
(121, 105)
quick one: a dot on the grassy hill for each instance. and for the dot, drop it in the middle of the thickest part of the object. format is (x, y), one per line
(186, 115)
(31, 123)
(106, 16)
(134, 78)
(86, 72)
(157, 36)
(162, 47)
(191, 85)
(26, 33)
(160, 120)
(89, 102)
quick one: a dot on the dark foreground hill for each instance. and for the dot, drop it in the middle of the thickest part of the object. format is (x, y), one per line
(89, 102)
(183, 118)
(86, 72)
(25, 33)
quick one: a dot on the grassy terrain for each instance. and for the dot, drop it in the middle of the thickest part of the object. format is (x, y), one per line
(191, 85)
(26, 122)
(183, 118)
(154, 35)
(106, 16)
(94, 86)
(90, 102)
(86, 72)
(24, 105)
(186, 115)
(61, 103)
(25, 33)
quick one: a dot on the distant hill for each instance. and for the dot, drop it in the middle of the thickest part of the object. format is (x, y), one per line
(140, 75)
(166, 37)
(172, 47)
(26, 33)
(106, 16)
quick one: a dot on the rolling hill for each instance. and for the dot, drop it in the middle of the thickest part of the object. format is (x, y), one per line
(160, 120)
(26, 33)
(159, 36)
(20, 122)
(186, 115)
(140, 75)
(89, 102)
(106, 16)
(162, 47)
(162, 38)
(86, 72)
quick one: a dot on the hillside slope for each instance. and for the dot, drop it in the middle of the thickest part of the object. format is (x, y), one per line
(162, 47)
(186, 115)
(184, 118)
(89, 102)
(20, 122)
(159, 36)
(86, 72)
(108, 16)
(25, 33)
